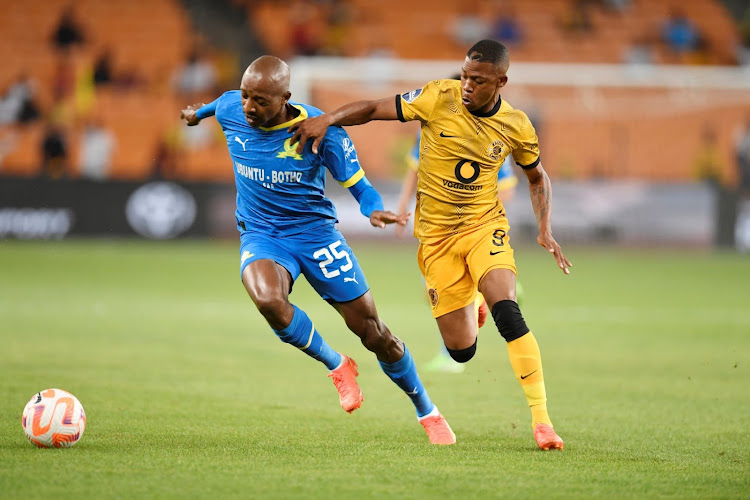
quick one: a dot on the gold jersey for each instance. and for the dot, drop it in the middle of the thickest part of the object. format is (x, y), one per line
(460, 156)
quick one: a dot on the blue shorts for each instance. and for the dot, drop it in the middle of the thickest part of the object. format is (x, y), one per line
(322, 255)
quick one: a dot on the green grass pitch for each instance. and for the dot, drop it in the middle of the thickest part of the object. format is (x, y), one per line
(189, 394)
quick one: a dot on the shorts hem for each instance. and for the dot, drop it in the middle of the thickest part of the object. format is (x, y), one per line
(436, 313)
(285, 265)
(334, 301)
(499, 266)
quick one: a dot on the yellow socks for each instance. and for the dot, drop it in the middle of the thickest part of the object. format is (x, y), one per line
(527, 365)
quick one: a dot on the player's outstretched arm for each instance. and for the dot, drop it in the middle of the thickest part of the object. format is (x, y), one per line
(371, 205)
(194, 113)
(355, 113)
(540, 190)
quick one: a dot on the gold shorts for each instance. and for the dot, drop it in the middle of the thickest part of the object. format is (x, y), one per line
(453, 266)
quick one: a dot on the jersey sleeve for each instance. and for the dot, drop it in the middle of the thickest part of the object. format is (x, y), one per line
(418, 104)
(340, 158)
(526, 153)
(207, 109)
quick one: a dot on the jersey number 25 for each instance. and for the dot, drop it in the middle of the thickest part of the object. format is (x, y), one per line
(328, 259)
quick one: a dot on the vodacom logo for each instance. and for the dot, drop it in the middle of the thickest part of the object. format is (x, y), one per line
(466, 171)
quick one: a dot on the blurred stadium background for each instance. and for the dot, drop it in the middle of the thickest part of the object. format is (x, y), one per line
(642, 107)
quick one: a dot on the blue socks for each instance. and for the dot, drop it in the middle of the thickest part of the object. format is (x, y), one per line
(302, 334)
(404, 374)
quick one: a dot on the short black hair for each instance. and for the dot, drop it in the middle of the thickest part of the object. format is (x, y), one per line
(490, 51)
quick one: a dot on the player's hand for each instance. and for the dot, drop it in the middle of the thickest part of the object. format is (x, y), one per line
(311, 128)
(401, 228)
(548, 242)
(189, 114)
(379, 218)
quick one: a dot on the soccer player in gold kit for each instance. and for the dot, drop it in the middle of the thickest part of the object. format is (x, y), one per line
(467, 132)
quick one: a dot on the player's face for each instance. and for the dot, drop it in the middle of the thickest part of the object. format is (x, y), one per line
(480, 85)
(262, 102)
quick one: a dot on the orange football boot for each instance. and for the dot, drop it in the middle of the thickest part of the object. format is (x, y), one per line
(546, 437)
(482, 313)
(350, 395)
(438, 429)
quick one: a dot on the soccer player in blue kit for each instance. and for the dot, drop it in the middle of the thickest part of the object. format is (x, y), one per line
(287, 228)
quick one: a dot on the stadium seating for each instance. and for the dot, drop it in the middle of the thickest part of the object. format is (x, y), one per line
(153, 38)
(423, 30)
(150, 38)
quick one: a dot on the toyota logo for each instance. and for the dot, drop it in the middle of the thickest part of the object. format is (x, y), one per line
(160, 210)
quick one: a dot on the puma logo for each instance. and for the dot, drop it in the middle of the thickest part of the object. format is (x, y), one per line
(353, 278)
(241, 142)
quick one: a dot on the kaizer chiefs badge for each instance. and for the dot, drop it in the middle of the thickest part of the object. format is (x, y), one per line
(433, 296)
(495, 150)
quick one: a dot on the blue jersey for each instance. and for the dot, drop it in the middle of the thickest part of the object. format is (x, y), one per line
(281, 192)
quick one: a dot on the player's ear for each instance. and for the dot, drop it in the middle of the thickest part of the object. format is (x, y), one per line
(502, 81)
(287, 96)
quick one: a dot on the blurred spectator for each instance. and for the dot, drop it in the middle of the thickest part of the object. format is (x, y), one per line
(97, 146)
(743, 47)
(63, 80)
(701, 54)
(163, 164)
(577, 19)
(17, 105)
(742, 156)
(679, 33)
(128, 78)
(68, 32)
(339, 17)
(196, 75)
(618, 6)
(54, 151)
(104, 73)
(84, 96)
(708, 166)
(469, 26)
(103, 68)
(641, 51)
(301, 14)
(506, 28)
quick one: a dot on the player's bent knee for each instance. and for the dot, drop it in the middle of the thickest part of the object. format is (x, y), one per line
(463, 355)
(272, 309)
(509, 321)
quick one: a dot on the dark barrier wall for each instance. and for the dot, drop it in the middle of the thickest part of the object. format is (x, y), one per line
(42, 209)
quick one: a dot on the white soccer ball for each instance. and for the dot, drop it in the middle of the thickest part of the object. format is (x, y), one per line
(53, 418)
